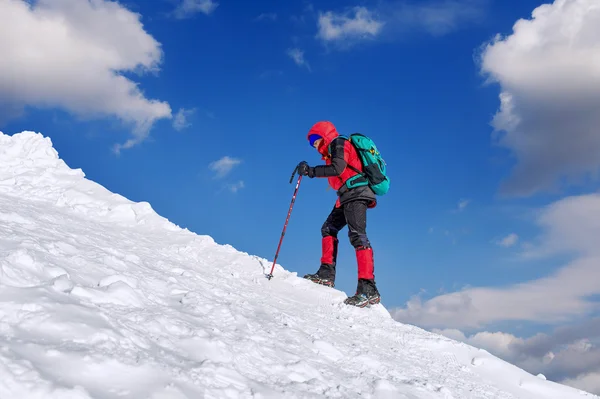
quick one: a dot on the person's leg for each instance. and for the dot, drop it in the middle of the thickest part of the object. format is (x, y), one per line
(329, 241)
(356, 216)
(329, 246)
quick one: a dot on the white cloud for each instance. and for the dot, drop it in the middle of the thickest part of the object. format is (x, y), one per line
(499, 343)
(509, 241)
(571, 226)
(451, 333)
(589, 382)
(223, 166)
(298, 56)
(356, 23)
(235, 187)
(69, 54)
(397, 18)
(188, 8)
(462, 204)
(549, 73)
(180, 121)
(568, 355)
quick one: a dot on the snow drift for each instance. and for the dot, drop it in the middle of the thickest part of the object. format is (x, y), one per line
(100, 297)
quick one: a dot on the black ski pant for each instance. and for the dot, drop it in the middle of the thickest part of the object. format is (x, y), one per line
(353, 214)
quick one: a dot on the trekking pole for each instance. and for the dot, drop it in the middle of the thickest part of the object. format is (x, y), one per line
(270, 275)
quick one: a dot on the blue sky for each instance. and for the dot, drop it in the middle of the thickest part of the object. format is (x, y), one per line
(218, 98)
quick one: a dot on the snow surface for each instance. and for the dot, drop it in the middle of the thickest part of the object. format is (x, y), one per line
(100, 297)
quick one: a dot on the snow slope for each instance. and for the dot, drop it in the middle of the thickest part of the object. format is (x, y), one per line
(101, 297)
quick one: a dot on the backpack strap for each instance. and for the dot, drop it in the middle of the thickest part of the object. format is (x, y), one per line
(354, 169)
(358, 180)
(357, 153)
(347, 164)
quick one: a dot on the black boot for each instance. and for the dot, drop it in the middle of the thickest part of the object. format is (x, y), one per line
(366, 294)
(324, 276)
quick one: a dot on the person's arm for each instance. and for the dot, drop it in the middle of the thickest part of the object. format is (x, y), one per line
(338, 162)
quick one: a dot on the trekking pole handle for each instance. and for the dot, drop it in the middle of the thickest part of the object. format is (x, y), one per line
(293, 174)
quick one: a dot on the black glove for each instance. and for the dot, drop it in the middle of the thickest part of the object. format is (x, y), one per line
(305, 170)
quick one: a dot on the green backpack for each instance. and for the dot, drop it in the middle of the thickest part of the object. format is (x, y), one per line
(374, 167)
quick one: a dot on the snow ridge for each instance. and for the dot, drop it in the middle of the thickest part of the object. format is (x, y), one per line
(100, 297)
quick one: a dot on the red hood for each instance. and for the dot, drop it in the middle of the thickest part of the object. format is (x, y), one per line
(327, 131)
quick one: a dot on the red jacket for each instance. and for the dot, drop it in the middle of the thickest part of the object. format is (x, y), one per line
(350, 157)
